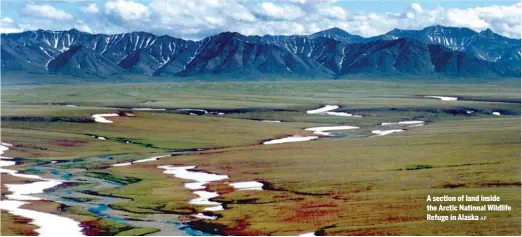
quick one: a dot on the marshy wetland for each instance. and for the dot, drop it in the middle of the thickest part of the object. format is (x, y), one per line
(257, 158)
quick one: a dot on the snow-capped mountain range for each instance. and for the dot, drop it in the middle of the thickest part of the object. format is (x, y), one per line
(435, 50)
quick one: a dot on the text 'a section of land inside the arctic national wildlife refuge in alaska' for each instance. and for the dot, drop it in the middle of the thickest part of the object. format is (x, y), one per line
(260, 118)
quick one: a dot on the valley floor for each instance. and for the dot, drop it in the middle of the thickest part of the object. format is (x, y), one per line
(260, 158)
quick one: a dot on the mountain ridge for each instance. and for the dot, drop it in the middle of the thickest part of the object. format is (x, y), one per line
(329, 53)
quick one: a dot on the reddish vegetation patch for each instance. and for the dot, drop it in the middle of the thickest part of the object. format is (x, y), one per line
(24, 221)
(91, 228)
(239, 228)
(17, 225)
(220, 188)
(403, 218)
(316, 212)
(68, 143)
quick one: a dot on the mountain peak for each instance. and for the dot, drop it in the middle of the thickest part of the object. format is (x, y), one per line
(489, 33)
(329, 52)
(441, 28)
(230, 34)
(337, 34)
(335, 31)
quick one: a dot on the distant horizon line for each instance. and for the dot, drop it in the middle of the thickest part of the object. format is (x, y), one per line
(331, 28)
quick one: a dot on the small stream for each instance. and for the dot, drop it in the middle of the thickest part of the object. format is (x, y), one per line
(168, 224)
(22, 194)
(61, 191)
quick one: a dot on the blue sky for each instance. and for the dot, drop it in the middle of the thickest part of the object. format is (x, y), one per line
(196, 19)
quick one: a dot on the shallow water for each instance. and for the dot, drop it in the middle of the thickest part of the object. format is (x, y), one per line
(99, 205)
(25, 192)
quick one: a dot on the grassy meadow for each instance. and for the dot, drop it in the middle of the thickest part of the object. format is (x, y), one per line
(351, 184)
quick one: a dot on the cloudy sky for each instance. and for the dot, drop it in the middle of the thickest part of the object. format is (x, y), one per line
(196, 19)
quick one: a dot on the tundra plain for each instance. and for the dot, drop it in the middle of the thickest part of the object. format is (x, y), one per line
(344, 182)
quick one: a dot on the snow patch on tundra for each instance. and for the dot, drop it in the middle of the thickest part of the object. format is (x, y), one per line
(201, 178)
(46, 222)
(249, 185)
(308, 234)
(327, 110)
(100, 118)
(386, 132)
(204, 198)
(148, 109)
(404, 123)
(122, 164)
(271, 121)
(183, 172)
(323, 130)
(324, 109)
(294, 138)
(203, 216)
(151, 159)
(445, 98)
(22, 191)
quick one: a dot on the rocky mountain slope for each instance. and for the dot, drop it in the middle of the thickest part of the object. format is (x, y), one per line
(433, 51)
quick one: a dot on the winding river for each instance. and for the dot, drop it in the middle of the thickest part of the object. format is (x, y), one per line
(98, 205)
(43, 188)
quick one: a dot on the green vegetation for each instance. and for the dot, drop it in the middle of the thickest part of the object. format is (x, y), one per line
(348, 185)
(138, 232)
(125, 180)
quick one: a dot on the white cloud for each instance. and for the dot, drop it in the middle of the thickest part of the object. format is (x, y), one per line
(59, 0)
(91, 8)
(333, 12)
(7, 25)
(281, 12)
(127, 10)
(416, 7)
(504, 20)
(81, 26)
(196, 19)
(46, 11)
(7, 20)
